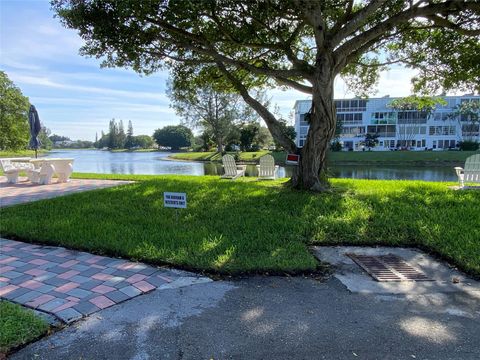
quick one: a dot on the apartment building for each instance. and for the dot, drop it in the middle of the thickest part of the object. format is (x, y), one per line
(413, 130)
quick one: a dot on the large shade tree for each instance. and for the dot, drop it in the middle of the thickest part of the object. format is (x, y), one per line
(14, 107)
(301, 44)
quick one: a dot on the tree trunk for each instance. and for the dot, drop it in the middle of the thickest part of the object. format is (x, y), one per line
(310, 173)
(219, 141)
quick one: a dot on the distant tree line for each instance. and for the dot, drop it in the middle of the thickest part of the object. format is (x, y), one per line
(64, 142)
(117, 138)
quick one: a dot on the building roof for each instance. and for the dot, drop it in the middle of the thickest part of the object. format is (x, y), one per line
(297, 102)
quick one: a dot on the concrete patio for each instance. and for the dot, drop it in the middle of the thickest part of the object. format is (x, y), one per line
(24, 191)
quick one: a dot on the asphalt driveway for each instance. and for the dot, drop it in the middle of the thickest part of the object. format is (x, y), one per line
(273, 318)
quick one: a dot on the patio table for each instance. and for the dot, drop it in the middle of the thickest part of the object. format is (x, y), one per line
(21, 163)
(63, 166)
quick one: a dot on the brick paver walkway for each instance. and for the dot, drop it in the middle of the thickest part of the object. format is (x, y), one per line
(25, 191)
(72, 284)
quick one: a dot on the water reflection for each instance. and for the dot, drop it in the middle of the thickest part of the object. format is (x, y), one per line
(396, 173)
(155, 163)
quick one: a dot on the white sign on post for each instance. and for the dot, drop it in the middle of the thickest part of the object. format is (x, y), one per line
(175, 200)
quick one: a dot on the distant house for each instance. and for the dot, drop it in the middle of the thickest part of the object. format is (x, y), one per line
(63, 143)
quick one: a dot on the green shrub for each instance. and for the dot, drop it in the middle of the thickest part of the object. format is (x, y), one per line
(468, 145)
(336, 146)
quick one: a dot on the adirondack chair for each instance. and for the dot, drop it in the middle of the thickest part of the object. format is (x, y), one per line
(267, 169)
(10, 171)
(232, 170)
(43, 175)
(471, 172)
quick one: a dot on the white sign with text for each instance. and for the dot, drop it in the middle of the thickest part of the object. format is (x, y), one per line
(175, 200)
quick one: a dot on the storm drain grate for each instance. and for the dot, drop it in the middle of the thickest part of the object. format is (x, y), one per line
(388, 268)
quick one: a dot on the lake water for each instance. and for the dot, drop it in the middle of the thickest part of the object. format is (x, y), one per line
(156, 163)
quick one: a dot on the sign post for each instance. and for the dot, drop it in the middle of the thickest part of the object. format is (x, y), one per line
(175, 200)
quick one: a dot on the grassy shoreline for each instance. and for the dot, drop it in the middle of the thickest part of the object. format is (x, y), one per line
(397, 158)
(134, 150)
(249, 226)
(21, 153)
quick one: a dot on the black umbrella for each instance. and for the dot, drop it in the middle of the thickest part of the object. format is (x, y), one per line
(35, 128)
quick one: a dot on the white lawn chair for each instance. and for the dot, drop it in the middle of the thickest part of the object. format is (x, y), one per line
(63, 169)
(10, 171)
(232, 170)
(267, 170)
(42, 176)
(471, 172)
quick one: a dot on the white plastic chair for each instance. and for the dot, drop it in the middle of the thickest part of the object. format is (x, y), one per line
(267, 170)
(63, 169)
(232, 170)
(10, 171)
(42, 176)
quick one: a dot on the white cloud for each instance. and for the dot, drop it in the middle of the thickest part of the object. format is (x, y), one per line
(44, 81)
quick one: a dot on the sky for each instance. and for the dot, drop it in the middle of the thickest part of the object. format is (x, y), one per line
(76, 98)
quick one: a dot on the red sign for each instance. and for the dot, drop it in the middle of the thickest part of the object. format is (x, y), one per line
(292, 159)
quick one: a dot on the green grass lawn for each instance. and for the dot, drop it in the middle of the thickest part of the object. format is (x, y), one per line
(18, 326)
(251, 226)
(20, 153)
(417, 158)
(215, 156)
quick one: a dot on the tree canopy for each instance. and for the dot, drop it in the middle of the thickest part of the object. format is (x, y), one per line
(300, 44)
(14, 107)
(174, 137)
(425, 104)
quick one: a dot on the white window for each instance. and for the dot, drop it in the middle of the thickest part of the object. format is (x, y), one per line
(442, 130)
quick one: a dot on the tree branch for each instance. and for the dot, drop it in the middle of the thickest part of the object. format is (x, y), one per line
(357, 20)
(312, 13)
(441, 22)
(295, 85)
(272, 123)
(384, 27)
(287, 47)
(200, 45)
(283, 45)
(382, 64)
